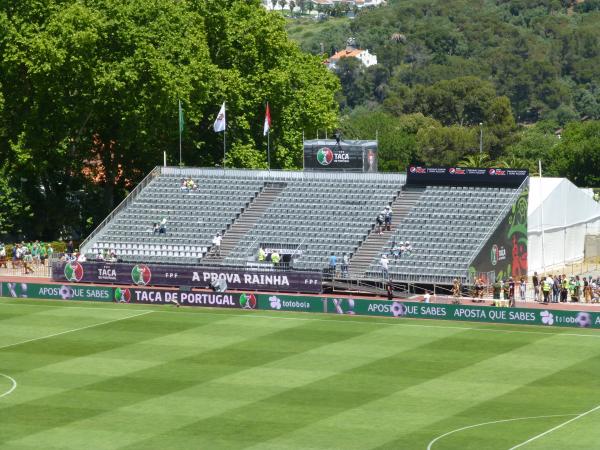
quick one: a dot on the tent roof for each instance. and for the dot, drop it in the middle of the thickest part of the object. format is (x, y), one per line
(564, 204)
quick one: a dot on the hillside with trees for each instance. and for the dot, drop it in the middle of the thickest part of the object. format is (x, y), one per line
(520, 74)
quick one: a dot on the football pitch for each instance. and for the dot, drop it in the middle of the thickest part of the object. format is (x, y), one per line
(106, 376)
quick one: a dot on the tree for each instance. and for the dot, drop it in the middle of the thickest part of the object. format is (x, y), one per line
(94, 92)
(577, 156)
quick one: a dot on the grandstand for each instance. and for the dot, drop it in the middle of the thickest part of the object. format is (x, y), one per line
(305, 216)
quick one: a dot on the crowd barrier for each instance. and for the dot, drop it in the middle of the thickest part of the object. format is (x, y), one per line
(314, 304)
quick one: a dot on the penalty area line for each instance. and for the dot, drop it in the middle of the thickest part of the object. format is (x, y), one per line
(579, 416)
(458, 430)
(74, 330)
(12, 388)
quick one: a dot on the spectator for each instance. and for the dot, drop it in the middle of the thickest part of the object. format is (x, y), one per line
(275, 258)
(43, 253)
(511, 292)
(390, 290)
(99, 256)
(547, 287)
(522, 288)
(387, 217)
(3, 256)
(407, 248)
(163, 226)
(50, 251)
(396, 252)
(496, 289)
(155, 228)
(112, 257)
(456, 288)
(217, 244)
(587, 291)
(27, 261)
(384, 265)
(427, 297)
(536, 286)
(70, 248)
(183, 187)
(262, 255)
(332, 264)
(380, 220)
(345, 263)
(81, 257)
(564, 288)
(555, 289)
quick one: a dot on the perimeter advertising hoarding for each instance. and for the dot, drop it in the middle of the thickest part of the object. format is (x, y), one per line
(460, 176)
(399, 310)
(57, 292)
(202, 299)
(200, 277)
(505, 252)
(352, 156)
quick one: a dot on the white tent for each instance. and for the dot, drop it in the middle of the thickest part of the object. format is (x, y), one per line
(568, 213)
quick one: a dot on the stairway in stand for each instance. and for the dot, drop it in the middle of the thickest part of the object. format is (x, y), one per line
(245, 221)
(372, 245)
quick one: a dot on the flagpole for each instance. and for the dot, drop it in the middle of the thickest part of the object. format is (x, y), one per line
(269, 147)
(179, 119)
(224, 147)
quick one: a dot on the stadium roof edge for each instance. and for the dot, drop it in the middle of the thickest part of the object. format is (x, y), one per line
(283, 174)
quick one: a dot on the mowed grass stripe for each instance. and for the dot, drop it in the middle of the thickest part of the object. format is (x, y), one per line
(72, 398)
(158, 380)
(449, 398)
(364, 378)
(572, 389)
(208, 396)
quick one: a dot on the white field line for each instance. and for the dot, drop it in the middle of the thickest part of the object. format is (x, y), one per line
(491, 423)
(12, 388)
(555, 428)
(356, 319)
(74, 330)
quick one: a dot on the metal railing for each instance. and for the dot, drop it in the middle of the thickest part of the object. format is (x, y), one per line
(499, 218)
(126, 201)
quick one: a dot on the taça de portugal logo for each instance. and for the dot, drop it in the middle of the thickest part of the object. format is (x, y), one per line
(325, 156)
(122, 295)
(73, 271)
(248, 301)
(141, 274)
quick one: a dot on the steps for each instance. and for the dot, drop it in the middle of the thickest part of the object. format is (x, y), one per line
(245, 221)
(372, 245)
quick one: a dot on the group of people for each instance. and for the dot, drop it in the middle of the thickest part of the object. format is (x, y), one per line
(188, 185)
(274, 257)
(25, 255)
(106, 255)
(384, 219)
(560, 288)
(160, 227)
(399, 249)
(333, 263)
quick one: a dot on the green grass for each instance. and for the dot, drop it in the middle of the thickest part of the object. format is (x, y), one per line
(207, 379)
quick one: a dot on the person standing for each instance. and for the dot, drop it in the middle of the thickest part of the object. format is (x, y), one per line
(384, 265)
(456, 288)
(70, 248)
(536, 287)
(262, 255)
(390, 290)
(332, 264)
(523, 288)
(345, 263)
(388, 218)
(275, 258)
(217, 244)
(546, 288)
(511, 292)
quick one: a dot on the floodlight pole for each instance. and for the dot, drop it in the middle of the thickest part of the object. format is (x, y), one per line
(480, 138)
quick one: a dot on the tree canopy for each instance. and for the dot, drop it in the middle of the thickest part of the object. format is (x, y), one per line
(89, 93)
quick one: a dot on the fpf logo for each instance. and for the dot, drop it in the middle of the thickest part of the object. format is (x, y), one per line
(73, 271)
(325, 156)
(141, 274)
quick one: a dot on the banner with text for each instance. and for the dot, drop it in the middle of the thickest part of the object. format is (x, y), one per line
(201, 277)
(459, 176)
(56, 291)
(206, 299)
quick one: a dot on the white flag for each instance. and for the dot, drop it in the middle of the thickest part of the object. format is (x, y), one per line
(220, 123)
